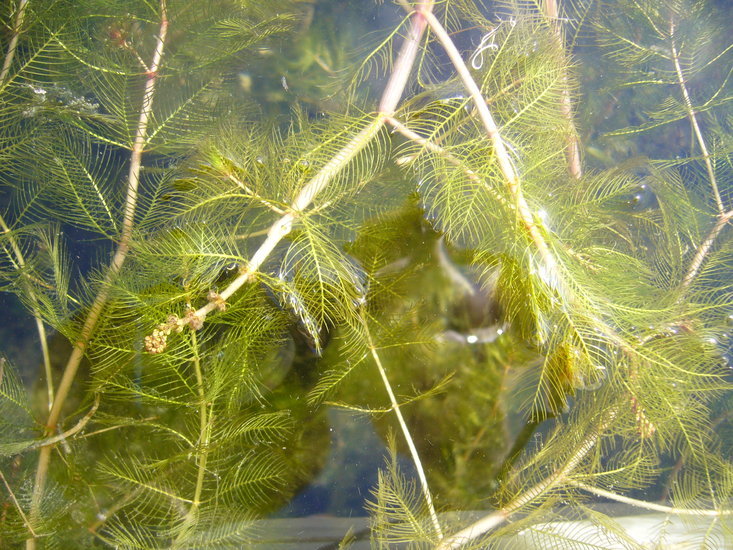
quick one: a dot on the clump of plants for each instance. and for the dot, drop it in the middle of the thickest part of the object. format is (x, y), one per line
(462, 231)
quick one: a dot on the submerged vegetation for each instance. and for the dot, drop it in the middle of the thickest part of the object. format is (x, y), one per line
(501, 230)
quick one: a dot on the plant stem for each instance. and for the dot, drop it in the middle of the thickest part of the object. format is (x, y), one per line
(572, 148)
(202, 453)
(405, 431)
(18, 507)
(406, 59)
(505, 163)
(693, 120)
(123, 247)
(438, 150)
(494, 519)
(723, 216)
(244, 187)
(79, 426)
(705, 246)
(387, 106)
(13, 44)
(649, 505)
(284, 224)
(390, 98)
(40, 327)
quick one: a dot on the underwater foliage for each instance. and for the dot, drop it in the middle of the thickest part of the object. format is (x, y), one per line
(499, 231)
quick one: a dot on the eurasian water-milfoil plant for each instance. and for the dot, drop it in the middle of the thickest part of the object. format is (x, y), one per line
(560, 324)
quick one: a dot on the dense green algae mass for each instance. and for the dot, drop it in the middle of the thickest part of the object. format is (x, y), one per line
(498, 233)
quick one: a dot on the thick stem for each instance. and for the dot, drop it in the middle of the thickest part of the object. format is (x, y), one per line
(284, 225)
(405, 60)
(113, 270)
(13, 44)
(390, 98)
(41, 329)
(502, 154)
(693, 120)
(405, 432)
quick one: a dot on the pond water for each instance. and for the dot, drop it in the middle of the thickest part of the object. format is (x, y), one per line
(311, 261)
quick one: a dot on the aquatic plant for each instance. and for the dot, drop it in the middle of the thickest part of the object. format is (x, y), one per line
(562, 328)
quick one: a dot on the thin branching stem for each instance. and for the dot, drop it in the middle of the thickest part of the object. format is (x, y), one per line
(692, 115)
(572, 147)
(79, 426)
(202, 451)
(13, 43)
(723, 216)
(244, 187)
(123, 248)
(111, 510)
(705, 246)
(438, 150)
(559, 476)
(650, 505)
(405, 431)
(18, 507)
(284, 224)
(40, 327)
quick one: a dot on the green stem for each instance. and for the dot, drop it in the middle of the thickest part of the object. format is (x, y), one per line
(438, 150)
(704, 248)
(70, 432)
(387, 106)
(405, 431)
(40, 327)
(723, 216)
(284, 224)
(572, 148)
(202, 453)
(18, 507)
